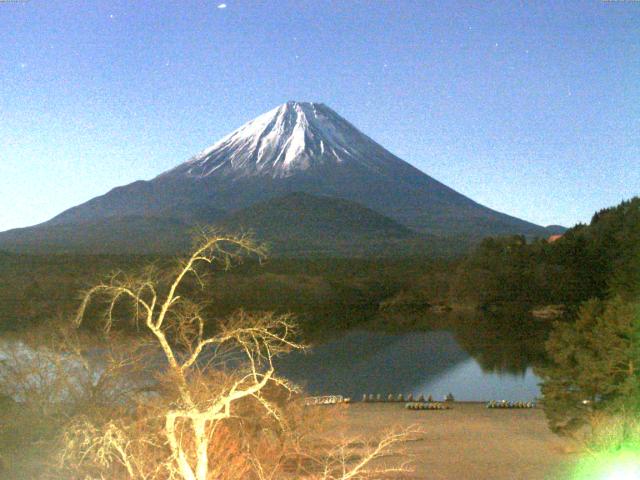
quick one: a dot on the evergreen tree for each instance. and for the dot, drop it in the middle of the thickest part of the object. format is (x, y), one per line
(594, 364)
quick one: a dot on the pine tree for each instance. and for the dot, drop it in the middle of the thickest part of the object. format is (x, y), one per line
(594, 364)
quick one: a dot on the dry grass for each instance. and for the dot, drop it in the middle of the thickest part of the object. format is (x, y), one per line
(468, 441)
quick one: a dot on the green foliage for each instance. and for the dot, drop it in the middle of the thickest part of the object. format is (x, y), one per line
(39, 288)
(594, 364)
(593, 261)
(327, 294)
(593, 353)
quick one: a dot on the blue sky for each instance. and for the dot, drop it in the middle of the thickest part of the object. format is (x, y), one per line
(531, 108)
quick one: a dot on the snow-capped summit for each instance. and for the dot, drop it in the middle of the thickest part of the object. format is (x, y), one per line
(297, 147)
(293, 137)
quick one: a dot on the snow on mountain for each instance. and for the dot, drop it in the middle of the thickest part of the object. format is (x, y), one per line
(293, 137)
(296, 147)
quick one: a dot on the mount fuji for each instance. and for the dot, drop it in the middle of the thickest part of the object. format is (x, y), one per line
(297, 147)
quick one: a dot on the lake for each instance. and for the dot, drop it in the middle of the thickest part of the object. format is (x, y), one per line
(427, 363)
(476, 357)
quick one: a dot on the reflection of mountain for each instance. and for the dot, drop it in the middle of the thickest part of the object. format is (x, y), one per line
(366, 362)
(468, 382)
(508, 340)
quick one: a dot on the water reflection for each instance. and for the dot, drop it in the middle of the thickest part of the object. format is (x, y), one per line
(373, 362)
(429, 363)
(469, 382)
(508, 340)
(477, 357)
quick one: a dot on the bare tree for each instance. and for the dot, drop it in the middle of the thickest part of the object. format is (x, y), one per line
(210, 378)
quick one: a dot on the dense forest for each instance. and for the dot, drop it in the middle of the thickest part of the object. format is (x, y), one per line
(588, 261)
(591, 356)
(324, 293)
(592, 377)
(587, 353)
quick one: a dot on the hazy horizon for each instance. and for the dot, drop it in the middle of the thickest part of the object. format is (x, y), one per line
(527, 109)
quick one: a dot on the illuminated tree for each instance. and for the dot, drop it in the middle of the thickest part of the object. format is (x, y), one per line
(219, 395)
(594, 365)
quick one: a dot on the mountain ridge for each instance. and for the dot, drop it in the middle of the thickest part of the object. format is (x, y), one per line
(296, 147)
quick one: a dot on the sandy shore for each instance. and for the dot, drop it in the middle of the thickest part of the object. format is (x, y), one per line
(468, 441)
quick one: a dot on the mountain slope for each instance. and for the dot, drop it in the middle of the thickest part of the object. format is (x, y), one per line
(302, 223)
(297, 224)
(122, 235)
(321, 217)
(297, 147)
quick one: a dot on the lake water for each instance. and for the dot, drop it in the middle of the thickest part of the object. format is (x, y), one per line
(428, 363)
(421, 363)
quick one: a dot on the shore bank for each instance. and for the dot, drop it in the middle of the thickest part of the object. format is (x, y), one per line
(468, 441)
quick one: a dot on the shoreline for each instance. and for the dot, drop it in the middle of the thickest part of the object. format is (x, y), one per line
(467, 441)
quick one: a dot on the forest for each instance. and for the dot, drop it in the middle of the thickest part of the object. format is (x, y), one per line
(589, 261)
(586, 352)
